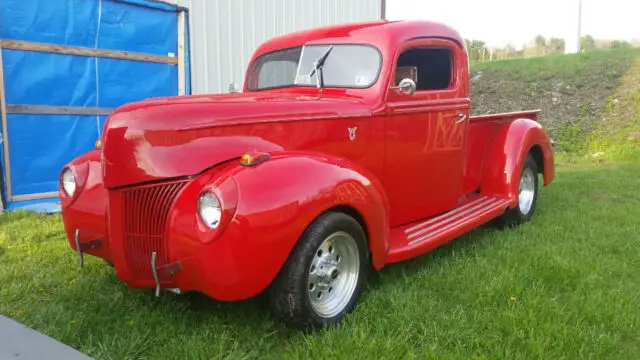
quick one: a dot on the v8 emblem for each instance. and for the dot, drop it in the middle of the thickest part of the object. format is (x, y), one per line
(352, 133)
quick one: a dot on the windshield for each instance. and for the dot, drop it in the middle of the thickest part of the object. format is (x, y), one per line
(345, 66)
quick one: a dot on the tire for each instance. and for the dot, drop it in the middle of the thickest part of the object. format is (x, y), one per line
(527, 196)
(318, 285)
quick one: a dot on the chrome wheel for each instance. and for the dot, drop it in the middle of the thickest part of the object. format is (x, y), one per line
(333, 274)
(527, 191)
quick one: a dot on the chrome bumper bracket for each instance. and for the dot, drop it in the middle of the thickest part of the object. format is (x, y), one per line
(82, 247)
(154, 269)
(79, 249)
(164, 271)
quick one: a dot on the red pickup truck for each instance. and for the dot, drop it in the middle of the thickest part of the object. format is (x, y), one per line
(350, 147)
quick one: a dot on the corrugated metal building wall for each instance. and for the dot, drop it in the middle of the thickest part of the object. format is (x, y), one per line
(224, 33)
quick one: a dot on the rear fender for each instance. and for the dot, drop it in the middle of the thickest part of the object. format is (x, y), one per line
(505, 154)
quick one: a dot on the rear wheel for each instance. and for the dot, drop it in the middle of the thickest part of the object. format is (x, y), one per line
(527, 196)
(325, 274)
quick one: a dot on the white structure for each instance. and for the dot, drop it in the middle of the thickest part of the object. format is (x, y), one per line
(224, 33)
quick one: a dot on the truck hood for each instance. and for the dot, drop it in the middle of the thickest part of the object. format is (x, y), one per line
(181, 136)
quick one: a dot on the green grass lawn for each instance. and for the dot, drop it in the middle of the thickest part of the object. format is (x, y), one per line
(566, 285)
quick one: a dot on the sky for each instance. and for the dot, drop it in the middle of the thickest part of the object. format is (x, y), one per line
(501, 22)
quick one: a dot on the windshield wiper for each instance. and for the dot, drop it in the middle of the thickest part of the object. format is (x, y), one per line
(317, 67)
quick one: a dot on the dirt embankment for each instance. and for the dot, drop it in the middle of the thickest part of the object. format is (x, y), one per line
(573, 91)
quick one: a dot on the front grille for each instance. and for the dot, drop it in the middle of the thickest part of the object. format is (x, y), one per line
(146, 209)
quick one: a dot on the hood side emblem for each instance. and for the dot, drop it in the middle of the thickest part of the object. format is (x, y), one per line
(352, 133)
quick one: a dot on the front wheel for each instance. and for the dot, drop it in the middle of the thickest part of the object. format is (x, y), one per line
(325, 274)
(527, 196)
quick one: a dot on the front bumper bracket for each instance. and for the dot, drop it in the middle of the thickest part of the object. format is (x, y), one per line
(155, 272)
(163, 271)
(84, 246)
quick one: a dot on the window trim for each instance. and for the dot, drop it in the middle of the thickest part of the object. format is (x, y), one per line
(453, 78)
(458, 48)
(373, 83)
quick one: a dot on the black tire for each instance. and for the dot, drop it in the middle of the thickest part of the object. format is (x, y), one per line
(516, 216)
(289, 292)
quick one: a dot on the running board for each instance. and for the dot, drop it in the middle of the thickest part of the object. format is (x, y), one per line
(417, 238)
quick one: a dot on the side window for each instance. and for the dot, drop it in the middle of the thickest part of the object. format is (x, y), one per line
(430, 67)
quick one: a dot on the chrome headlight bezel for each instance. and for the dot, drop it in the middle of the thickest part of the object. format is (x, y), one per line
(209, 209)
(68, 182)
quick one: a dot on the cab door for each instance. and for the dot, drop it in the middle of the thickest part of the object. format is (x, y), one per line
(425, 132)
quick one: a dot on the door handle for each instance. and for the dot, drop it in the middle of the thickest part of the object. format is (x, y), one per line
(461, 118)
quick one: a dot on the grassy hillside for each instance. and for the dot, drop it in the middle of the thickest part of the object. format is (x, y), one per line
(589, 101)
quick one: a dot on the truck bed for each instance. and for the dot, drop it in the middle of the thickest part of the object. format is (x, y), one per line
(481, 130)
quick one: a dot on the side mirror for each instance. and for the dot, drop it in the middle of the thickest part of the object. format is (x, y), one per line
(406, 86)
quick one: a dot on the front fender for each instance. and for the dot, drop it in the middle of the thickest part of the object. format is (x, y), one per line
(292, 189)
(86, 210)
(504, 157)
(276, 201)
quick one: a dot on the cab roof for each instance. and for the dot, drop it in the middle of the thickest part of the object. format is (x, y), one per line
(384, 34)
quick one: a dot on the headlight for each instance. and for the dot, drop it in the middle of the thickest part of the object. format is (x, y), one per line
(68, 182)
(209, 209)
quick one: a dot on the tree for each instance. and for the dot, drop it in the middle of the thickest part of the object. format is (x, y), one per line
(587, 43)
(540, 41)
(478, 44)
(556, 45)
(540, 46)
(619, 44)
(509, 51)
(476, 49)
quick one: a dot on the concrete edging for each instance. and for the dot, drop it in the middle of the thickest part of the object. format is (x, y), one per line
(21, 342)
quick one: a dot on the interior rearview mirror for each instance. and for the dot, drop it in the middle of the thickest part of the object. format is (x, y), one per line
(406, 86)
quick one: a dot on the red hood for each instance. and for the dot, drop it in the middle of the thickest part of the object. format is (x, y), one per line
(179, 136)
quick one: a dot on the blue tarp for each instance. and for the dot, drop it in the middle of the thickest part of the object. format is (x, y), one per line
(39, 145)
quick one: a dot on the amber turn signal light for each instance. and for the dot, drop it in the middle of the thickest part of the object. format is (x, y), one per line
(98, 144)
(253, 159)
